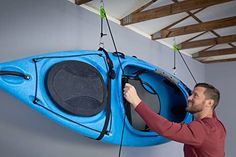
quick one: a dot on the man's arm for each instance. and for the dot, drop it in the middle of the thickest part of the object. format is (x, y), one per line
(192, 134)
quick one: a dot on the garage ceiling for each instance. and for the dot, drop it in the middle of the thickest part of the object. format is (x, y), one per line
(203, 29)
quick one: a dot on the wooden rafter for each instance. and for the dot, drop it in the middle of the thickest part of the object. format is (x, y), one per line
(169, 10)
(206, 26)
(217, 35)
(143, 7)
(199, 21)
(175, 23)
(190, 39)
(218, 60)
(190, 13)
(207, 42)
(208, 48)
(79, 2)
(213, 53)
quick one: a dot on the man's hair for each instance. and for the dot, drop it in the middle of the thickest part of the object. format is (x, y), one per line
(210, 93)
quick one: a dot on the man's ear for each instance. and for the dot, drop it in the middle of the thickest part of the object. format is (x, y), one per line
(210, 103)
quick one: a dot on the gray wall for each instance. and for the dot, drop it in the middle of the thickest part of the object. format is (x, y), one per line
(223, 75)
(30, 27)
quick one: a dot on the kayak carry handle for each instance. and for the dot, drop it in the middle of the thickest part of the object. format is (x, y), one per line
(14, 73)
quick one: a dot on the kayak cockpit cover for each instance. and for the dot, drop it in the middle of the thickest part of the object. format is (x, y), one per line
(77, 88)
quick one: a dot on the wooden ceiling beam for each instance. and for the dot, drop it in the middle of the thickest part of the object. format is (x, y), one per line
(80, 2)
(199, 21)
(206, 26)
(217, 35)
(175, 23)
(190, 14)
(218, 60)
(213, 53)
(169, 10)
(207, 42)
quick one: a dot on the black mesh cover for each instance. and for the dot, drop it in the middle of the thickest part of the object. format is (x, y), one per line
(76, 87)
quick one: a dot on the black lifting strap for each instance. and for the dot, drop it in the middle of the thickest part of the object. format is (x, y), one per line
(111, 75)
(111, 72)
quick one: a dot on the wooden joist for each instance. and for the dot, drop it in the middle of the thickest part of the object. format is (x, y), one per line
(175, 23)
(206, 26)
(218, 60)
(207, 42)
(213, 53)
(167, 10)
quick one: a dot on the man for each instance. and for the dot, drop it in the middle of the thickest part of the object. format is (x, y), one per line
(203, 137)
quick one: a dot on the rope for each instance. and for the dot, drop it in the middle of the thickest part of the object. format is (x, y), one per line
(187, 66)
(114, 44)
(103, 15)
(122, 137)
(176, 49)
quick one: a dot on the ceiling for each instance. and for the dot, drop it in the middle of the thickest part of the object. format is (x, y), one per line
(203, 29)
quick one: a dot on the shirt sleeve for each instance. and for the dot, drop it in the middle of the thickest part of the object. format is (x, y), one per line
(193, 133)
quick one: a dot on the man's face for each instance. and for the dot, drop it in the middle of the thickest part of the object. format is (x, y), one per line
(196, 101)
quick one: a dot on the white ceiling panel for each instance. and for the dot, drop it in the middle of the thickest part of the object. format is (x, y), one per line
(119, 9)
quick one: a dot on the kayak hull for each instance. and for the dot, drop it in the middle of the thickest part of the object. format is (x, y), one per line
(35, 92)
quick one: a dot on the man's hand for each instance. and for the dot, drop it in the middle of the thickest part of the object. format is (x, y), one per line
(131, 95)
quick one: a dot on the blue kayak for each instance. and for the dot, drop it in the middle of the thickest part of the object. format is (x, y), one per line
(83, 90)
